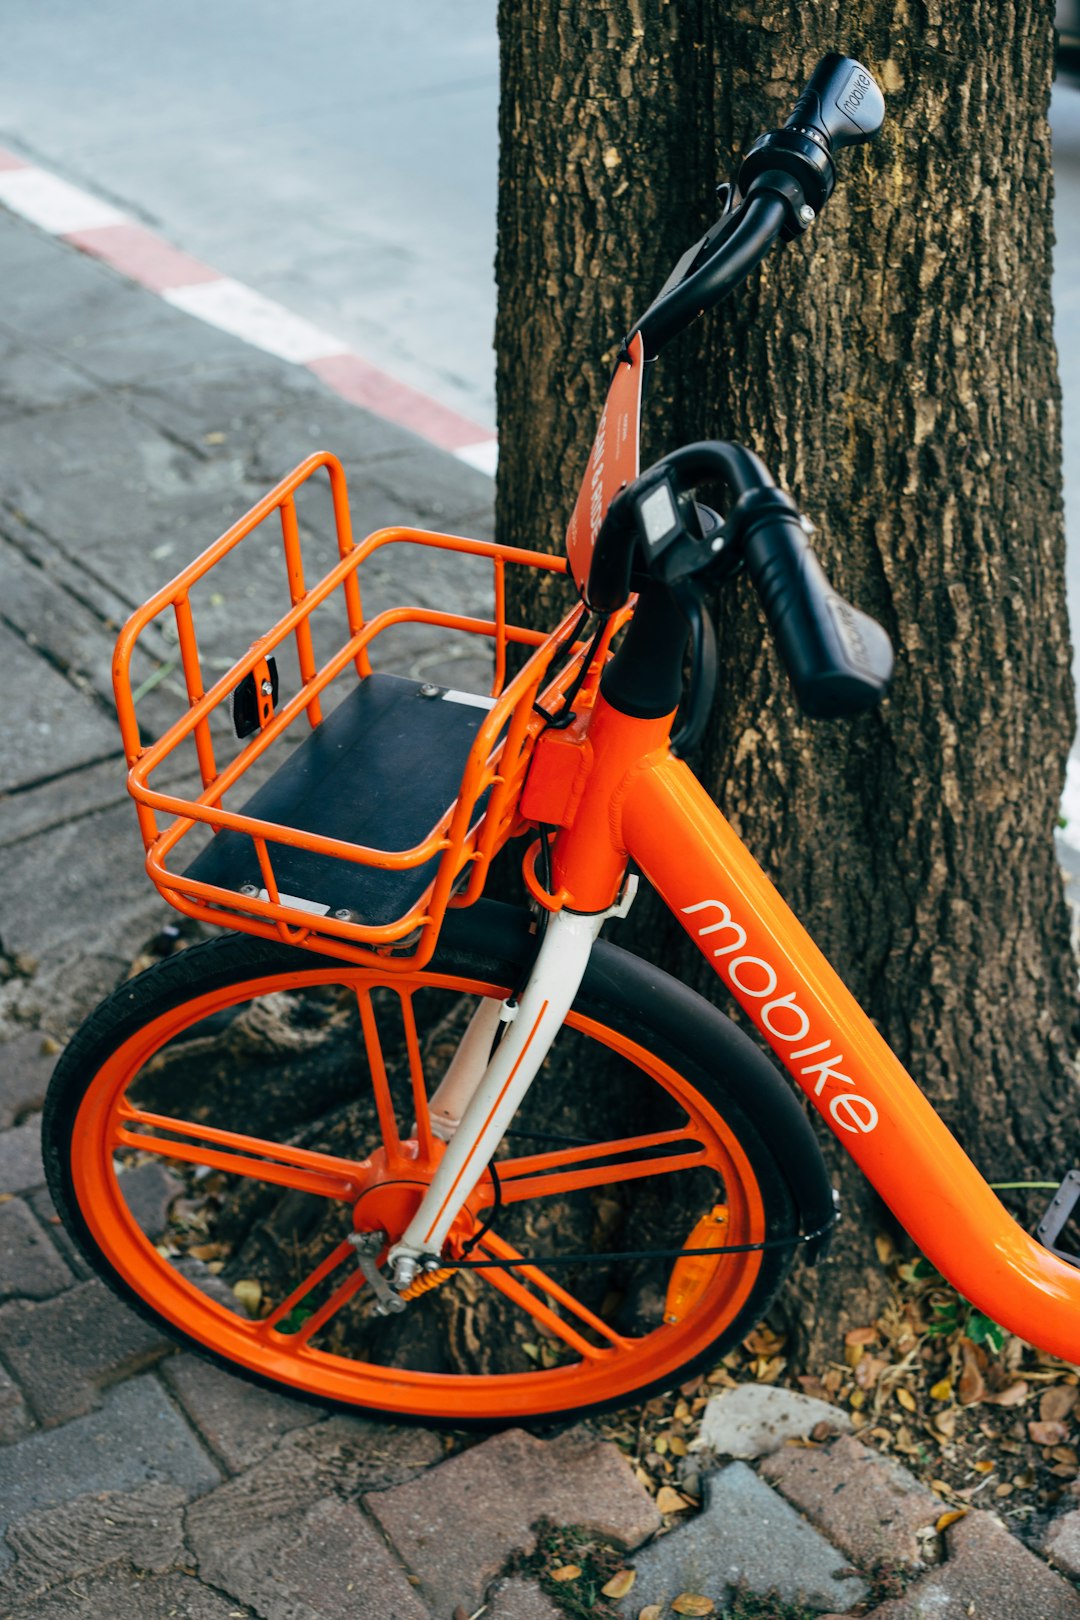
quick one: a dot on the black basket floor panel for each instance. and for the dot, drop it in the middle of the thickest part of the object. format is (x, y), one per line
(381, 770)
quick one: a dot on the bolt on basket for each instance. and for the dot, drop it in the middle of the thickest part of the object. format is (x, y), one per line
(356, 831)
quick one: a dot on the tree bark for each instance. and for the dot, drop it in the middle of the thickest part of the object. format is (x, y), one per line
(896, 370)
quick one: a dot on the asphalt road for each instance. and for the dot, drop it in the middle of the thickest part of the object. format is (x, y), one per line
(338, 156)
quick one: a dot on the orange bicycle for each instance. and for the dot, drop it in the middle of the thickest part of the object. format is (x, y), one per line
(447, 1158)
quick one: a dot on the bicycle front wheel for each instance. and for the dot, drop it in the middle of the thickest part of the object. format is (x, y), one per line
(286, 1096)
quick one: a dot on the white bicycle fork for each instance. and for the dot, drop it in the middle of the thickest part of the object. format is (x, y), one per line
(486, 1093)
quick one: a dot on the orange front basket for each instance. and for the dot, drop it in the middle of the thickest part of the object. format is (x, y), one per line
(349, 835)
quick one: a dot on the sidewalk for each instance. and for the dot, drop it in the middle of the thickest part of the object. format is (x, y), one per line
(134, 1480)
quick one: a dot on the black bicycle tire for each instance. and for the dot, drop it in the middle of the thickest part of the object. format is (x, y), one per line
(466, 948)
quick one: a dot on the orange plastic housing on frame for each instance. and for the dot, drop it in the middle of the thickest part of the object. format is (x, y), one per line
(496, 763)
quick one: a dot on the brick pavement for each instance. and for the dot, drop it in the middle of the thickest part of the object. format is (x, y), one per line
(134, 1480)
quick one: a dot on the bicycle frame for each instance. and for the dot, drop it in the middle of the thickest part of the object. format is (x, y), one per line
(632, 800)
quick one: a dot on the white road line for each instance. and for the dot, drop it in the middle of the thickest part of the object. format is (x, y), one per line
(54, 205)
(483, 456)
(247, 314)
(64, 210)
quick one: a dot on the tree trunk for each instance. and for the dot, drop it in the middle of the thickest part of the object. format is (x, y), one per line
(896, 371)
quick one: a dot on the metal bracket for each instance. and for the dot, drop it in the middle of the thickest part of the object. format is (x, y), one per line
(368, 1246)
(1057, 1216)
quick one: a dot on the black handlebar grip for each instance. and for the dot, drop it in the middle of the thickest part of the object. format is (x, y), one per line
(839, 659)
(841, 101)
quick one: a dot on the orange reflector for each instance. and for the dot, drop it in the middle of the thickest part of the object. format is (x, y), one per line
(692, 1275)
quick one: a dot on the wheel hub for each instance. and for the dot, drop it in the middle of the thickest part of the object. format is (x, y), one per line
(391, 1195)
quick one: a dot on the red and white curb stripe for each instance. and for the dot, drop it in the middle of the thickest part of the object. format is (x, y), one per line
(97, 228)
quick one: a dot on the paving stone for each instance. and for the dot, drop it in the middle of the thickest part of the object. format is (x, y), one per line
(326, 1562)
(148, 1190)
(31, 379)
(43, 1207)
(63, 1350)
(59, 727)
(137, 1438)
(1062, 1543)
(30, 1267)
(989, 1574)
(25, 1068)
(517, 1599)
(20, 1157)
(746, 1533)
(509, 1482)
(755, 1419)
(129, 1597)
(15, 1419)
(343, 1455)
(240, 1421)
(867, 1505)
(142, 1527)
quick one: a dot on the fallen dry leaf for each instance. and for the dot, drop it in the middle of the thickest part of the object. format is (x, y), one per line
(763, 1342)
(869, 1370)
(972, 1385)
(950, 1518)
(1015, 1395)
(693, 1603)
(651, 1611)
(1047, 1434)
(1056, 1403)
(884, 1247)
(942, 1390)
(906, 1399)
(249, 1294)
(620, 1583)
(566, 1572)
(669, 1500)
(863, 1335)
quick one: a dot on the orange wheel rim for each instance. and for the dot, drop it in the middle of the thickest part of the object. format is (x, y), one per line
(600, 1363)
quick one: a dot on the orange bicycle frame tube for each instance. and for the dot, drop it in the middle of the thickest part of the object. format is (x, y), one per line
(660, 816)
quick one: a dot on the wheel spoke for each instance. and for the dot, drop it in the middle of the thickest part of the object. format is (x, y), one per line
(341, 1296)
(337, 1256)
(380, 1083)
(419, 1086)
(498, 1249)
(544, 1175)
(276, 1162)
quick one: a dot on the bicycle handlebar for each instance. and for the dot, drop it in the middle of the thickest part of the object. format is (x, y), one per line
(760, 223)
(839, 659)
(785, 180)
(841, 102)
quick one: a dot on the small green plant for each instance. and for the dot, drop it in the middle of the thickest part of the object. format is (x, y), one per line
(953, 1313)
(561, 1547)
(749, 1606)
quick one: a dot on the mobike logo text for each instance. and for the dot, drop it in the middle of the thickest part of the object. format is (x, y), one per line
(596, 490)
(854, 93)
(785, 1021)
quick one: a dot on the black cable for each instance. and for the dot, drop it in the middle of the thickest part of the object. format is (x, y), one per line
(559, 721)
(489, 1219)
(547, 1261)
